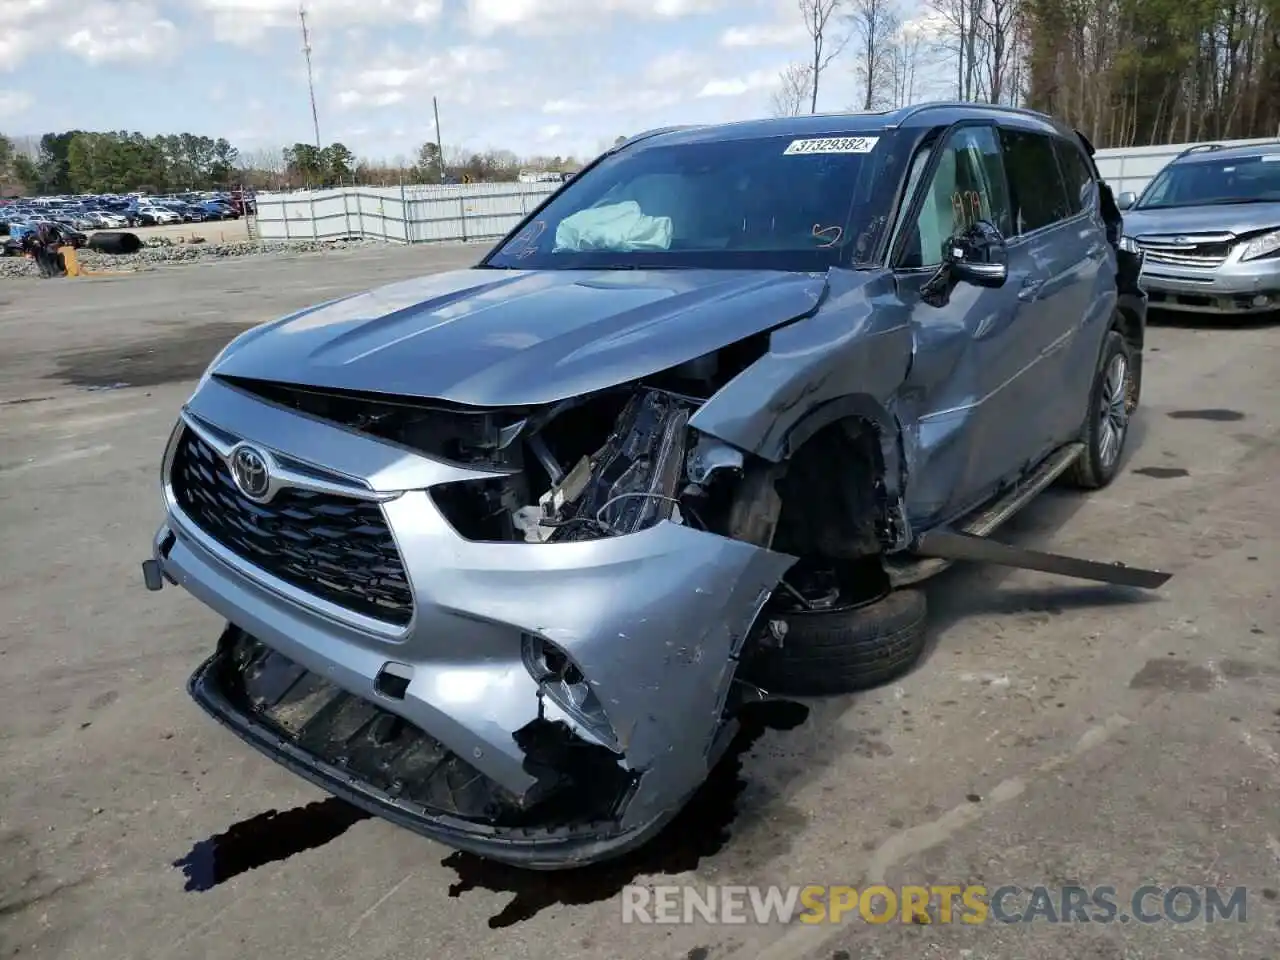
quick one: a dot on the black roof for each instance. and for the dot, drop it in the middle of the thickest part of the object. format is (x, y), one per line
(916, 116)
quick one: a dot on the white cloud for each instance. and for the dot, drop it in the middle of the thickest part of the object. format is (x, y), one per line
(564, 106)
(737, 86)
(764, 35)
(561, 16)
(101, 31)
(454, 75)
(676, 67)
(122, 33)
(246, 21)
(13, 102)
(929, 25)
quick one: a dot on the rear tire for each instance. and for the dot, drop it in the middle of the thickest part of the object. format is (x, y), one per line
(842, 651)
(1106, 428)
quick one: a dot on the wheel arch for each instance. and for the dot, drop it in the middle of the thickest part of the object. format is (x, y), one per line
(842, 481)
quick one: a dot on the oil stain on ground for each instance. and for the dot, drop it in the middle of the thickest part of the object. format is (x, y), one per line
(1214, 414)
(1162, 473)
(700, 830)
(1177, 676)
(183, 355)
(266, 838)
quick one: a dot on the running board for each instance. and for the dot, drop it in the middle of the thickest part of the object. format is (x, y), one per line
(913, 567)
(950, 545)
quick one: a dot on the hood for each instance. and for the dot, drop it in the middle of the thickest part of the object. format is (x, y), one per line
(512, 338)
(1237, 218)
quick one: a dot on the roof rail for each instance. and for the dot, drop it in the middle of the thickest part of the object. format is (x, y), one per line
(911, 111)
(1201, 148)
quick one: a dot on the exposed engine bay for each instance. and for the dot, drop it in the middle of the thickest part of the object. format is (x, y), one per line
(602, 465)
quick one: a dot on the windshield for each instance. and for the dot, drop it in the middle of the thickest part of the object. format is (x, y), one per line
(781, 203)
(1207, 182)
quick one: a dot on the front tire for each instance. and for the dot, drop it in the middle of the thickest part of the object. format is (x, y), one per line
(1111, 402)
(844, 651)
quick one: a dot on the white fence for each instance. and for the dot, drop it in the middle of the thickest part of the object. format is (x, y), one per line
(486, 211)
(1131, 168)
(408, 214)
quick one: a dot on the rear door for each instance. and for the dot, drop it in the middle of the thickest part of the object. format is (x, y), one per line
(1058, 229)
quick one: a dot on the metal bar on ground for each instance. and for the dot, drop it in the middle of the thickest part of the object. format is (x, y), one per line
(951, 545)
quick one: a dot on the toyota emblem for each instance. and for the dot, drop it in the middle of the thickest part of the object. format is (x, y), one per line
(249, 471)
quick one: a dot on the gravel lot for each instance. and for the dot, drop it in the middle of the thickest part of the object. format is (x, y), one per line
(214, 231)
(1057, 732)
(180, 243)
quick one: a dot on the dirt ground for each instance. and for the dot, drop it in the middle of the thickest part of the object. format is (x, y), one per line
(214, 231)
(1056, 732)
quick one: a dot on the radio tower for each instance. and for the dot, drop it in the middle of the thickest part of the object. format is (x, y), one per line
(311, 86)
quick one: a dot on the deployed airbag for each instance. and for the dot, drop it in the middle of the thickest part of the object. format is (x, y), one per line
(616, 226)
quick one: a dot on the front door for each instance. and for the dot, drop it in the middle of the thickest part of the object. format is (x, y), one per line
(964, 388)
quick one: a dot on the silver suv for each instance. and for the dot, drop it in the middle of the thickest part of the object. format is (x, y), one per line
(1209, 224)
(511, 555)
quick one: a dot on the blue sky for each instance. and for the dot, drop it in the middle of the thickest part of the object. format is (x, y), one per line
(535, 76)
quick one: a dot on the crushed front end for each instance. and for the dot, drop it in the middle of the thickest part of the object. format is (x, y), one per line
(516, 632)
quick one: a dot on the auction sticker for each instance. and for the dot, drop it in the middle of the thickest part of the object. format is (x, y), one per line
(833, 145)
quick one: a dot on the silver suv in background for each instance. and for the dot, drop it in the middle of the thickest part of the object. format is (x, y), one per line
(1209, 224)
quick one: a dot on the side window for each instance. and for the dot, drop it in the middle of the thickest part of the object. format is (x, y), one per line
(968, 184)
(1039, 194)
(1080, 187)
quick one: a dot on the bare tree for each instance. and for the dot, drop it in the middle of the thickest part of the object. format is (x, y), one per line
(906, 61)
(997, 23)
(818, 21)
(957, 40)
(266, 159)
(875, 24)
(794, 91)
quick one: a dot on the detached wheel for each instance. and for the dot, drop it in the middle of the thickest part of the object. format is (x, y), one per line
(844, 650)
(1111, 402)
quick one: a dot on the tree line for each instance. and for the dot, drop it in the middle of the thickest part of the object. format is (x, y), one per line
(80, 161)
(1125, 72)
(87, 162)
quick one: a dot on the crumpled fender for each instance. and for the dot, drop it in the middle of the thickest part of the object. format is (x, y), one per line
(847, 359)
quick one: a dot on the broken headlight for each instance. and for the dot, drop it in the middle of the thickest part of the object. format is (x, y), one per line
(629, 484)
(628, 476)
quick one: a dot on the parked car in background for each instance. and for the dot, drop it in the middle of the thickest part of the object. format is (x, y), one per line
(76, 221)
(1209, 223)
(66, 235)
(219, 210)
(507, 553)
(156, 215)
(104, 220)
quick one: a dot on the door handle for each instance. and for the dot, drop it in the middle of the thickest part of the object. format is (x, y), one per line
(1030, 288)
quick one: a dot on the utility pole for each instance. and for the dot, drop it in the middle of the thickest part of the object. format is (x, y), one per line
(311, 86)
(435, 107)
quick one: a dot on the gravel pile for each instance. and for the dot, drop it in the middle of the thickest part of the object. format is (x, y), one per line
(158, 254)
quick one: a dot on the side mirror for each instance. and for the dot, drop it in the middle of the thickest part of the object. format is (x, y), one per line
(1126, 200)
(978, 256)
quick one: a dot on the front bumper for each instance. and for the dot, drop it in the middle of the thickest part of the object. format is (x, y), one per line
(1232, 289)
(534, 848)
(655, 621)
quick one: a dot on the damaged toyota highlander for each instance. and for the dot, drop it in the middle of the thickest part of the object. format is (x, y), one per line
(506, 552)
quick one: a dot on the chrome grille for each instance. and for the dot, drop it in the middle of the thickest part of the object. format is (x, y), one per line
(1205, 250)
(337, 548)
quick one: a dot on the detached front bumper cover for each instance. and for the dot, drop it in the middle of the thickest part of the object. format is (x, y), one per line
(364, 754)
